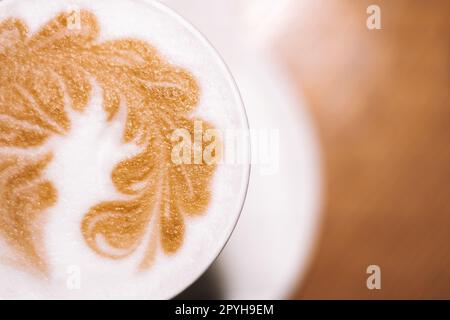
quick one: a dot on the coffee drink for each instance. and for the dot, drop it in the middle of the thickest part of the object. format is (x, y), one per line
(111, 179)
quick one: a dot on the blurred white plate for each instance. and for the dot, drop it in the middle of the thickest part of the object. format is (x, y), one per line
(269, 250)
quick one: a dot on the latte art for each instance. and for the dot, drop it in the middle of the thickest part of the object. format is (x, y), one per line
(39, 71)
(62, 76)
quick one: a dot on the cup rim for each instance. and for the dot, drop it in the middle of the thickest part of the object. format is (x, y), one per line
(243, 113)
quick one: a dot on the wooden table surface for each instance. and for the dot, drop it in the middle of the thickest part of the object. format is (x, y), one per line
(380, 101)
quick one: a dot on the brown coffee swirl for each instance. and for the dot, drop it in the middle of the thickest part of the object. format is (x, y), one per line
(55, 69)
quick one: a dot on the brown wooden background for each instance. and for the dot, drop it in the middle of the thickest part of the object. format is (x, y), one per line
(380, 100)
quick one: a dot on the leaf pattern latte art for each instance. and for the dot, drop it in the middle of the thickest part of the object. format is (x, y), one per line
(43, 75)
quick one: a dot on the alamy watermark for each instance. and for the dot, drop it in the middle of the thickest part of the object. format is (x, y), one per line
(229, 147)
(373, 22)
(73, 281)
(74, 18)
(374, 280)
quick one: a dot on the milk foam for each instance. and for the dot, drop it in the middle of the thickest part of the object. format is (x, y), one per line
(84, 159)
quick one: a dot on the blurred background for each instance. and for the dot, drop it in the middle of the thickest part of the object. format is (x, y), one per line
(380, 102)
(363, 161)
(377, 107)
